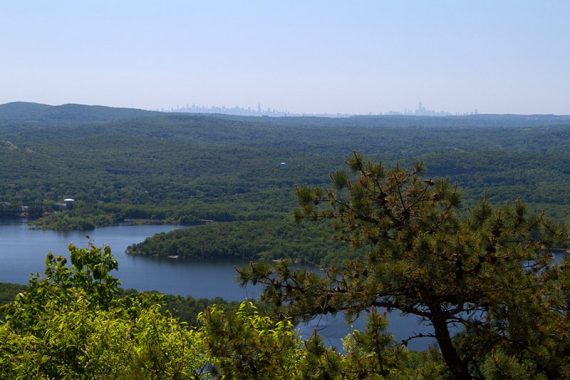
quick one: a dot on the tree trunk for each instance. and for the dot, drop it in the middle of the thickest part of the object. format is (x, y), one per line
(457, 366)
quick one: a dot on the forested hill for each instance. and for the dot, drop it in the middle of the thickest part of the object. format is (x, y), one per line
(37, 114)
(184, 168)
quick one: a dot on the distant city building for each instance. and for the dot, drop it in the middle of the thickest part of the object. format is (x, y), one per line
(238, 111)
(421, 110)
(241, 111)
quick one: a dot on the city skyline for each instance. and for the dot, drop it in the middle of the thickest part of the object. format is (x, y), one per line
(420, 110)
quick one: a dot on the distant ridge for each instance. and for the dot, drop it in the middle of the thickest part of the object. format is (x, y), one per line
(19, 114)
(17, 110)
(35, 112)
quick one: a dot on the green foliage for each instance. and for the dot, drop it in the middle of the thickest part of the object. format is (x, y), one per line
(90, 272)
(489, 270)
(486, 269)
(367, 348)
(65, 222)
(187, 309)
(73, 323)
(498, 365)
(78, 340)
(174, 168)
(252, 240)
(249, 345)
(9, 291)
(7, 294)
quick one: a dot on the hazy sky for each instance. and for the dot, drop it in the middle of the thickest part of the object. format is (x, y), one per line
(302, 56)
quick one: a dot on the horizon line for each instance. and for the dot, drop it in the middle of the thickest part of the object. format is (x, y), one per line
(275, 113)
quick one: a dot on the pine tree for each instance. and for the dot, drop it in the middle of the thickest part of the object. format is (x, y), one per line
(488, 270)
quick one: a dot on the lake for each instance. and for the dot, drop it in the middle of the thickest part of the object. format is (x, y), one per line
(23, 251)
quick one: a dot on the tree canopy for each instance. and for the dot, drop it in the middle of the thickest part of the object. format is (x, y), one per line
(487, 274)
(72, 323)
(487, 279)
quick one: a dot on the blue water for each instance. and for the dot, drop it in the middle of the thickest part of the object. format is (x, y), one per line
(23, 251)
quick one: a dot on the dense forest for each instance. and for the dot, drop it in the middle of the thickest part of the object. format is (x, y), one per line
(124, 164)
(435, 241)
(248, 240)
(491, 272)
(186, 309)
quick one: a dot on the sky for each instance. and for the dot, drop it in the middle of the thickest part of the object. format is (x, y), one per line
(306, 56)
